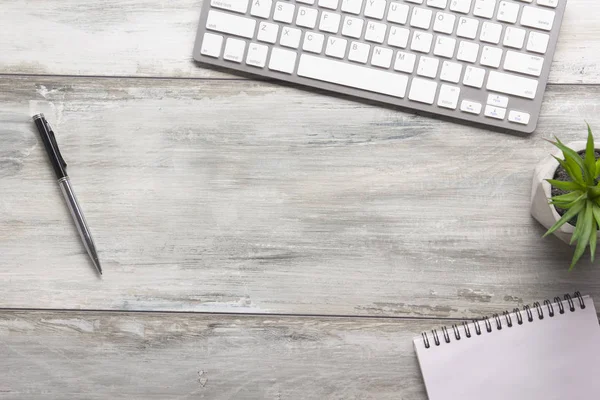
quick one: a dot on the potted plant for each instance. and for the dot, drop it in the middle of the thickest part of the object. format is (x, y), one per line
(566, 195)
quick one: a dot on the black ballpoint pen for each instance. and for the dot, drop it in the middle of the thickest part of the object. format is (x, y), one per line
(59, 165)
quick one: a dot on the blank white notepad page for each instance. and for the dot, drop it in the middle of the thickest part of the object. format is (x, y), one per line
(551, 358)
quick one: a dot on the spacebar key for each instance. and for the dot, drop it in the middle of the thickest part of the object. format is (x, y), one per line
(352, 75)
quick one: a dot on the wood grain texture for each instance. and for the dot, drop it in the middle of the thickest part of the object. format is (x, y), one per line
(199, 200)
(237, 196)
(65, 355)
(155, 38)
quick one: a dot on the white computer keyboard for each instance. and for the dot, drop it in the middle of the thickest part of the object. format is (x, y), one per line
(484, 61)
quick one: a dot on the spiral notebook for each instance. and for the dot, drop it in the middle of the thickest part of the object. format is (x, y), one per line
(548, 351)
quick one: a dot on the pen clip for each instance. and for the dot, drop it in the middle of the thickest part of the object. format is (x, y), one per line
(54, 143)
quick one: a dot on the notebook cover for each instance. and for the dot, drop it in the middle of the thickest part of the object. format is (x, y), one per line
(546, 359)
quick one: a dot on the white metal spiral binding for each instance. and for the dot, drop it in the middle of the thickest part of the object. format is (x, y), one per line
(499, 321)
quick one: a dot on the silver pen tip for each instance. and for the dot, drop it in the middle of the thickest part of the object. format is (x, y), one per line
(97, 265)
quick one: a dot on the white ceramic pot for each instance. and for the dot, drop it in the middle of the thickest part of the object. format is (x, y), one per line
(541, 191)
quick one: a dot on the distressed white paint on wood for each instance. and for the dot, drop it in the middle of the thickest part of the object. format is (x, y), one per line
(155, 38)
(201, 200)
(177, 356)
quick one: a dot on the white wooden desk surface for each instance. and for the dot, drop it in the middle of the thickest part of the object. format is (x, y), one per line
(259, 240)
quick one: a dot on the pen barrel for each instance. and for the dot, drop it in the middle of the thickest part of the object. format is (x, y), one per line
(78, 218)
(50, 145)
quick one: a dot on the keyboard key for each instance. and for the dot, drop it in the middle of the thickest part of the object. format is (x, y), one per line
(375, 32)
(359, 52)
(451, 72)
(461, 6)
(421, 18)
(398, 13)
(307, 17)
(282, 60)
(548, 3)
(490, 32)
(353, 27)
(230, 23)
(356, 76)
(518, 117)
(352, 6)
(414, 1)
(448, 97)
(508, 12)
(313, 42)
(474, 77)
(484, 8)
(467, 51)
(382, 57)
(398, 37)
(444, 23)
(261, 8)
(375, 9)
(523, 63)
(437, 3)
(421, 42)
(234, 50)
(336, 47)
(422, 90)
(497, 100)
(331, 4)
(471, 107)
(267, 32)
(405, 62)
(444, 47)
(330, 22)
(512, 84)
(467, 27)
(495, 112)
(535, 17)
(239, 6)
(514, 37)
(491, 56)
(257, 55)
(537, 42)
(290, 37)
(311, 2)
(428, 67)
(284, 12)
(211, 45)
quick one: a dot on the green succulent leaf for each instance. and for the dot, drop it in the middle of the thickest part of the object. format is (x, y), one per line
(593, 240)
(597, 168)
(575, 176)
(573, 211)
(596, 212)
(594, 191)
(574, 161)
(590, 157)
(569, 153)
(575, 168)
(579, 226)
(566, 185)
(569, 197)
(584, 233)
(565, 204)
